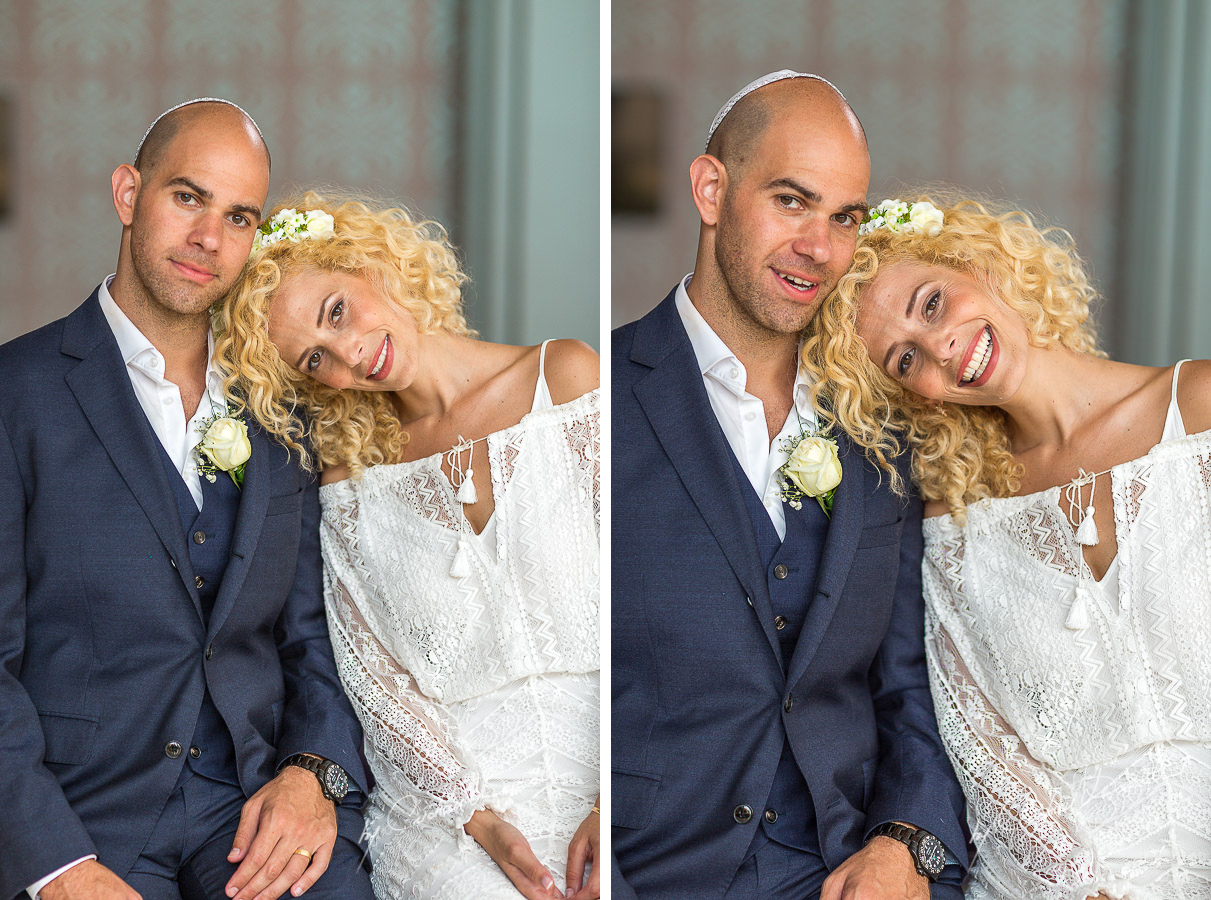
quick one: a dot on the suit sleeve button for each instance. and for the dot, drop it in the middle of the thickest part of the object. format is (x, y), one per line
(743, 814)
(172, 750)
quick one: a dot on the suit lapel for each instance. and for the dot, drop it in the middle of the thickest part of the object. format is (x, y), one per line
(103, 390)
(674, 400)
(844, 527)
(254, 501)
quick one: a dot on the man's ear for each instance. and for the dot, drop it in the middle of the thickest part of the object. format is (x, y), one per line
(708, 181)
(126, 182)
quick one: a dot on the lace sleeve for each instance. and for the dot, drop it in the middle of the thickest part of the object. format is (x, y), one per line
(410, 736)
(583, 435)
(1028, 841)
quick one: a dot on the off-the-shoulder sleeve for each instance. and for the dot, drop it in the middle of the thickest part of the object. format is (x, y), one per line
(1028, 839)
(411, 740)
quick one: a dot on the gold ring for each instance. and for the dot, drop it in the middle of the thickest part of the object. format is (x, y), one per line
(302, 852)
(596, 810)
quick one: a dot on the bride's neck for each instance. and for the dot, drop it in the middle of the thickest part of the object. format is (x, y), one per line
(1062, 392)
(445, 371)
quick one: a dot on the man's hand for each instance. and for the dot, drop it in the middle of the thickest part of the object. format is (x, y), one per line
(585, 847)
(511, 851)
(88, 881)
(289, 813)
(882, 870)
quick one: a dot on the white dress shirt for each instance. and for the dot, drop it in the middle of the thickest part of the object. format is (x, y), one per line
(161, 403)
(740, 414)
(161, 399)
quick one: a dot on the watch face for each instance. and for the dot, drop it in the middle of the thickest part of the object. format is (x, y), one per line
(336, 781)
(931, 855)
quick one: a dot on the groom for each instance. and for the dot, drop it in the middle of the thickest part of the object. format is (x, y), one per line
(773, 734)
(171, 721)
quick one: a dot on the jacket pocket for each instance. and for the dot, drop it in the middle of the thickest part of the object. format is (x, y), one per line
(881, 535)
(633, 798)
(284, 503)
(69, 738)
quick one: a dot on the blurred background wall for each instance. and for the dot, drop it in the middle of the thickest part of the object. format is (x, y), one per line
(1092, 113)
(389, 97)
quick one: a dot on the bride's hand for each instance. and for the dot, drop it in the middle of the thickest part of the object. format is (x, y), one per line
(585, 847)
(511, 851)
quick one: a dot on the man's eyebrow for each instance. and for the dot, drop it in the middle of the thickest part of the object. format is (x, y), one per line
(912, 301)
(814, 196)
(792, 185)
(253, 212)
(193, 188)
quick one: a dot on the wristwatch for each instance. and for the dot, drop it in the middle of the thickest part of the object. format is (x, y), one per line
(333, 780)
(928, 854)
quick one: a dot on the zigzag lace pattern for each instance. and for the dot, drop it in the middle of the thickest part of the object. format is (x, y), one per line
(1084, 752)
(478, 690)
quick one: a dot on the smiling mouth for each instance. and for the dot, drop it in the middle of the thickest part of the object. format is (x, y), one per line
(799, 284)
(381, 361)
(980, 357)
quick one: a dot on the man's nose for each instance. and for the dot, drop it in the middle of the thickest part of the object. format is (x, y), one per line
(208, 231)
(814, 239)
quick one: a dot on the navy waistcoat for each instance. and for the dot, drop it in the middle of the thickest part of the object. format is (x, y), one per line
(790, 574)
(208, 535)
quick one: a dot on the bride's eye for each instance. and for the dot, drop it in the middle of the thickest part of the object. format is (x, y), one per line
(338, 310)
(313, 361)
(931, 304)
(905, 362)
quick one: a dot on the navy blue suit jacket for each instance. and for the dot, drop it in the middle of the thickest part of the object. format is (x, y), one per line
(104, 654)
(701, 691)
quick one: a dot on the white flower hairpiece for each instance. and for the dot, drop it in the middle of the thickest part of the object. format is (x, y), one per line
(921, 217)
(289, 225)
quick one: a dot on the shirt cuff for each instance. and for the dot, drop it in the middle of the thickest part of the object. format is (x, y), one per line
(34, 888)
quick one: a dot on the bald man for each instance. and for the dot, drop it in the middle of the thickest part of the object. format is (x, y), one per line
(773, 734)
(171, 721)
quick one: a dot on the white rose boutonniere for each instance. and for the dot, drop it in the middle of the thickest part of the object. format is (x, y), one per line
(813, 470)
(224, 446)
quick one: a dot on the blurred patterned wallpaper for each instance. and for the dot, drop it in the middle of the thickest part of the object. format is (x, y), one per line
(1022, 101)
(356, 94)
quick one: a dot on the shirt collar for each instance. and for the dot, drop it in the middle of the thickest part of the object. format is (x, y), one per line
(719, 362)
(141, 353)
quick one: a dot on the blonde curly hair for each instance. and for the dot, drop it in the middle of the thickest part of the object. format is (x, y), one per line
(959, 453)
(409, 261)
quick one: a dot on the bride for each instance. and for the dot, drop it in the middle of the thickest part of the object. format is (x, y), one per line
(459, 532)
(1067, 569)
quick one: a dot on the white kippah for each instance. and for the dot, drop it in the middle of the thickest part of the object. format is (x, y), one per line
(761, 82)
(190, 103)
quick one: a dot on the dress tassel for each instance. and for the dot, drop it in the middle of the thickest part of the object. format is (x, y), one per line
(466, 489)
(1086, 534)
(1078, 613)
(461, 567)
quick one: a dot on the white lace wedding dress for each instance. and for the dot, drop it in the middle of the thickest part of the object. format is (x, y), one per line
(478, 688)
(1077, 713)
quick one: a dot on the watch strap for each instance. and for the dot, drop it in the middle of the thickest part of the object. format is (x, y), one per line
(316, 766)
(911, 838)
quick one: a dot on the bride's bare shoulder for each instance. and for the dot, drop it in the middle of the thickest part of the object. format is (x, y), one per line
(934, 508)
(334, 473)
(572, 369)
(1194, 395)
